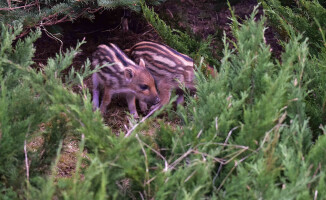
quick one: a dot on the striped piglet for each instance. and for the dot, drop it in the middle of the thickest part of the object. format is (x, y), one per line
(121, 75)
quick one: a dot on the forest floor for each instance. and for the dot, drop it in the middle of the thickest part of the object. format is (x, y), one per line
(199, 17)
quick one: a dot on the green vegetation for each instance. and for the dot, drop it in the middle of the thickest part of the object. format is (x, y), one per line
(43, 13)
(254, 132)
(306, 18)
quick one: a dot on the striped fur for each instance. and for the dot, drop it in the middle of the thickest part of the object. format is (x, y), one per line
(121, 75)
(168, 67)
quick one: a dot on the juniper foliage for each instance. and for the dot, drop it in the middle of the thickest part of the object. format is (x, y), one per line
(31, 104)
(307, 18)
(245, 135)
(43, 13)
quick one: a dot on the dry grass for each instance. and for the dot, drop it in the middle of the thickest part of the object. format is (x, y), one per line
(68, 158)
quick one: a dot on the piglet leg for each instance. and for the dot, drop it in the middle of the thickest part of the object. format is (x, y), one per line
(131, 100)
(106, 100)
(143, 106)
(96, 92)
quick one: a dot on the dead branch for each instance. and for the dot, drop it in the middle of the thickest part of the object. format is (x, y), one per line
(19, 7)
(227, 176)
(146, 164)
(177, 161)
(229, 134)
(50, 35)
(166, 164)
(222, 161)
(26, 161)
(189, 177)
(141, 195)
(225, 142)
(144, 118)
(51, 19)
(316, 195)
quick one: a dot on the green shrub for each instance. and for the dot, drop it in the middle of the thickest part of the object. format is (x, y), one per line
(46, 13)
(245, 135)
(306, 18)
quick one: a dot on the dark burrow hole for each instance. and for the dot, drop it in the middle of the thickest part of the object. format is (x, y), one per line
(105, 28)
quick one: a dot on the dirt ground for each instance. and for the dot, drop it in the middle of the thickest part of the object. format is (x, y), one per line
(201, 17)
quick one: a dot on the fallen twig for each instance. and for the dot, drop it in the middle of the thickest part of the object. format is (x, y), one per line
(191, 175)
(51, 19)
(227, 176)
(141, 196)
(315, 173)
(199, 134)
(19, 7)
(229, 134)
(177, 161)
(50, 35)
(146, 164)
(219, 160)
(26, 157)
(316, 194)
(166, 164)
(225, 143)
(26, 161)
(144, 118)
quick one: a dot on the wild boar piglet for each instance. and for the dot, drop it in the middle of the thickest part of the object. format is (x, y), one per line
(121, 75)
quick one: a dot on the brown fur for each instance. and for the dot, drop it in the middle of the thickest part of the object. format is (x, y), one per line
(168, 67)
(121, 75)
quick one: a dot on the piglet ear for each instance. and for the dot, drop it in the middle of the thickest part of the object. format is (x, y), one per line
(129, 74)
(142, 63)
